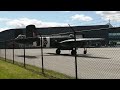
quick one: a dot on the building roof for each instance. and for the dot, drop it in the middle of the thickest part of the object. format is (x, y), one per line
(56, 30)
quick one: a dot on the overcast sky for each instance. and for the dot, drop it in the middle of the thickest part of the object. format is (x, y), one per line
(19, 19)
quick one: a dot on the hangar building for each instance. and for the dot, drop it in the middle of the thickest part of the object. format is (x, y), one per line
(111, 34)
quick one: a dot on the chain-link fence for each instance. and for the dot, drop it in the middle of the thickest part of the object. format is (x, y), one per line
(40, 57)
(98, 63)
(101, 61)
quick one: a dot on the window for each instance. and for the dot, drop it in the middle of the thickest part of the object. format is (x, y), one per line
(114, 35)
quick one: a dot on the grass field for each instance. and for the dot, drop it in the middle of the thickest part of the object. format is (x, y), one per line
(18, 71)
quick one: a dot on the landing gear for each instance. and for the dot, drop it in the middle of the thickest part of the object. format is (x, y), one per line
(85, 51)
(58, 51)
(73, 52)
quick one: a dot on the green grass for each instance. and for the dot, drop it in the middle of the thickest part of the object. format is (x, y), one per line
(18, 71)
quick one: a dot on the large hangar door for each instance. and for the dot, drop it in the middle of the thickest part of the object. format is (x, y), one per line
(45, 42)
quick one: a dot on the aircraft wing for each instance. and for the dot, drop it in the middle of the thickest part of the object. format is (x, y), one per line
(82, 39)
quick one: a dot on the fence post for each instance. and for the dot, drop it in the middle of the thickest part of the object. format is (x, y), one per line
(24, 54)
(75, 57)
(42, 55)
(0, 51)
(5, 50)
(75, 52)
(13, 51)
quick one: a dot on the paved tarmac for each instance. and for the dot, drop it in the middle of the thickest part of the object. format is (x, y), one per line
(98, 63)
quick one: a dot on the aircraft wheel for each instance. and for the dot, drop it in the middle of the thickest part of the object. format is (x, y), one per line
(85, 52)
(73, 52)
(58, 51)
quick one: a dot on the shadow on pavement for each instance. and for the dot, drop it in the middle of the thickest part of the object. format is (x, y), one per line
(78, 55)
(27, 56)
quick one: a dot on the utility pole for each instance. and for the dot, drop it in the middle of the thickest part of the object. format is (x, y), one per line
(75, 51)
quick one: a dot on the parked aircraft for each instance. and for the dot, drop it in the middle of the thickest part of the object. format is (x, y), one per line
(70, 44)
(61, 43)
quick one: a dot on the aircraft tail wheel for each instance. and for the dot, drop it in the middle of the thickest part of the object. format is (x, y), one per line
(58, 51)
(73, 52)
(85, 51)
